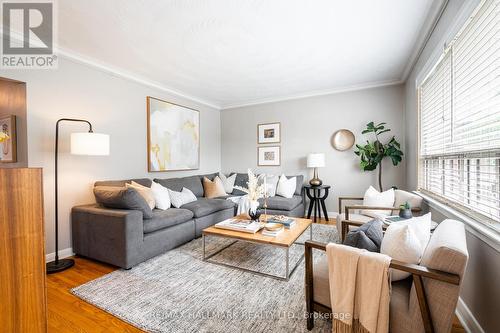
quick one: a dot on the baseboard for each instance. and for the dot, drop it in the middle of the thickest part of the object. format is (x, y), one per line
(62, 254)
(470, 324)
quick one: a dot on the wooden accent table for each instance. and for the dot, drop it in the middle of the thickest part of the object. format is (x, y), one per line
(284, 240)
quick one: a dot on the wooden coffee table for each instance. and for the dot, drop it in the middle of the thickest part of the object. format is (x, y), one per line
(284, 240)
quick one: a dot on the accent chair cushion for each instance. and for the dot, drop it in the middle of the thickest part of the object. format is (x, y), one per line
(181, 198)
(406, 241)
(369, 236)
(352, 217)
(203, 206)
(213, 189)
(166, 218)
(375, 198)
(280, 203)
(122, 198)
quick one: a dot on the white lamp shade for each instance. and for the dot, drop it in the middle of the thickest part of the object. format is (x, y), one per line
(89, 144)
(316, 160)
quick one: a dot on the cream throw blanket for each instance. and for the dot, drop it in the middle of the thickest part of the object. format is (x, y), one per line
(359, 289)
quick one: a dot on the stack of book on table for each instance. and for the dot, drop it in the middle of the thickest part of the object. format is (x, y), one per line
(237, 224)
(286, 221)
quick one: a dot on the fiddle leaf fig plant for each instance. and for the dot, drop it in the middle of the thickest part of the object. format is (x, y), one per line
(373, 152)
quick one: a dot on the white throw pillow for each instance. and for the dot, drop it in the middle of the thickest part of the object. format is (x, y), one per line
(286, 187)
(162, 197)
(144, 192)
(375, 198)
(181, 198)
(228, 182)
(406, 241)
(271, 184)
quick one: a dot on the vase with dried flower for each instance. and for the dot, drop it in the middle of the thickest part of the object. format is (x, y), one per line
(254, 191)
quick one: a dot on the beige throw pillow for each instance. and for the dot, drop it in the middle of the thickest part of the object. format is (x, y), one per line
(213, 189)
(145, 192)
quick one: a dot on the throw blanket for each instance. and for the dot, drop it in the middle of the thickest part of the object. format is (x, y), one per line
(359, 289)
(242, 202)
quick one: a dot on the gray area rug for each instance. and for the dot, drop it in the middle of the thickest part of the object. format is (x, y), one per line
(178, 292)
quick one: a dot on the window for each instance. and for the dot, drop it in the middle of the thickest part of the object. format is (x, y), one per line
(459, 105)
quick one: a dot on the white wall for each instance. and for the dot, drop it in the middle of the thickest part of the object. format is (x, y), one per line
(114, 106)
(307, 126)
(480, 291)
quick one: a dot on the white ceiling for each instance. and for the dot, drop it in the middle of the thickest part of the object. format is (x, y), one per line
(236, 52)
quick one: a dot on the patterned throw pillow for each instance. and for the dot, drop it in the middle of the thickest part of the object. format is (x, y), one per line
(181, 198)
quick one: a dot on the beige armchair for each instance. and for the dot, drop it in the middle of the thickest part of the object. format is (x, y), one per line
(424, 302)
(355, 212)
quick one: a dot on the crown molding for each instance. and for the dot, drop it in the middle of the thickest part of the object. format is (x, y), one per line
(314, 93)
(119, 72)
(435, 13)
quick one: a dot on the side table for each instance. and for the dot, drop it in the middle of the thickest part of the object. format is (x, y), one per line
(317, 196)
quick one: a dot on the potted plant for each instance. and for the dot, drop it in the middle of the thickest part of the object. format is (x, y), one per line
(254, 191)
(372, 153)
(405, 211)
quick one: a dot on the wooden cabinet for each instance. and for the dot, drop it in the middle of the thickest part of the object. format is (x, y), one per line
(23, 305)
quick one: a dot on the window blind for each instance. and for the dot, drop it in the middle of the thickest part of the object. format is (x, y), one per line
(459, 104)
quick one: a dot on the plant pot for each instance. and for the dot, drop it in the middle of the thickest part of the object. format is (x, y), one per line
(405, 213)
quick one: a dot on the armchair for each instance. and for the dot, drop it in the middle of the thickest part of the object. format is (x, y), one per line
(424, 302)
(354, 213)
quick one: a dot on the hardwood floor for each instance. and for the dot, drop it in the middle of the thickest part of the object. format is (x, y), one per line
(68, 313)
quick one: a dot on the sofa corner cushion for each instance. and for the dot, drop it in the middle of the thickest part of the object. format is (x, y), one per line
(281, 203)
(122, 198)
(203, 206)
(166, 218)
(193, 183)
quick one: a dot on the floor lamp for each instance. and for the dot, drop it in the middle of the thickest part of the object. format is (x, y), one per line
(91, 144)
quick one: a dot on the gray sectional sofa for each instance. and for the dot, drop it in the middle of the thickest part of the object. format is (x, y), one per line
(125, 238)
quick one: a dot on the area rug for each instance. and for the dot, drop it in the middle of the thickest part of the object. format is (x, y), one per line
(178, 292)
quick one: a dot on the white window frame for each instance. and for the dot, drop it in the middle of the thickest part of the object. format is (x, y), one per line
(488, 233)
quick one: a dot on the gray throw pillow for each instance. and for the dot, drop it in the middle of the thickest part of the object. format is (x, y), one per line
(122, 198)
(369, 236)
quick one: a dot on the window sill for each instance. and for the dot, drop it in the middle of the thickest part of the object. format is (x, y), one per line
(487, 235)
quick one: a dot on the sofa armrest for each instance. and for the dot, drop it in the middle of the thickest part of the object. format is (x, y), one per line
(109, 235)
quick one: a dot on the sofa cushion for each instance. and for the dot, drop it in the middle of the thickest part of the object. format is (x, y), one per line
(280, 203)
(122, 198)
(166, 218)
(204, 206)
(121, 183)
(192, 183)
(241, 180)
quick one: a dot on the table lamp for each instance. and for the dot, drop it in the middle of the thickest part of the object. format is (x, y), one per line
(89, 143)
(315, 160)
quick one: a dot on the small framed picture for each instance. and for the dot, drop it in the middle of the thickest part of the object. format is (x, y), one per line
(8, 148)
(269, 156)
(269, 133)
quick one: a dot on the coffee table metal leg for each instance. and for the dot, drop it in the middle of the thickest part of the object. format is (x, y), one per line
(311, 232)
(287, 276)
(203, 241)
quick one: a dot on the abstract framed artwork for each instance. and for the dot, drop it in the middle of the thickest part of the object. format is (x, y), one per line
(269, 156)
(8, 148)
(269, 133)
(173, 136)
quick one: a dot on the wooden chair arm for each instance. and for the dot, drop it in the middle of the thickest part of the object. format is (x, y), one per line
(347, 199)
(352, 207)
